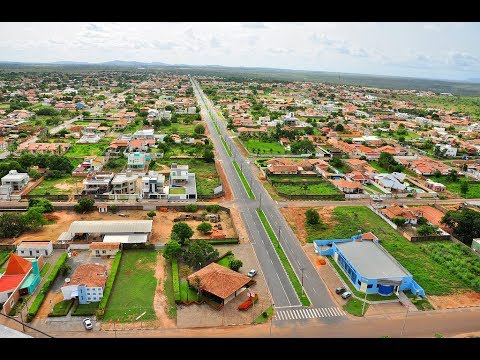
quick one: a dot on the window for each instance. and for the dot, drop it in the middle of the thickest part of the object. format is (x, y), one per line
(369, 286)
(12, 302)
(104, 251)
(97, 252)
(46, 252)
(38, 251)
(88, 293)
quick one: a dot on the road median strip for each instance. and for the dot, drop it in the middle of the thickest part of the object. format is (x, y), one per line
(225, 145)
(249, 191)
(283, 258)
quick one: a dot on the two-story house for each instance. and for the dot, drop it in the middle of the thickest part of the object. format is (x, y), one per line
(153, 186)
(87, 283)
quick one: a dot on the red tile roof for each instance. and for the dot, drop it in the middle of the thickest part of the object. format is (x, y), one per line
(17, 265)
(10, 282)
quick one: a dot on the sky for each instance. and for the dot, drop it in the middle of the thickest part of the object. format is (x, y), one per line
(428, 50)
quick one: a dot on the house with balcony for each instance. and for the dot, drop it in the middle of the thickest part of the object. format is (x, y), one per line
(144, 134)
(98, 183)
(17, 181)
(125, 183)
(86, 284)
(153, 186)
(136, 161)
(183, 185)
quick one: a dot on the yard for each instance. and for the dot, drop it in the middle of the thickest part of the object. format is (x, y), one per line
(265, 147)
(454, 187)
(61, 186)
(175, 191)
(420, 259)
(134, 289)
(82, 150)
(307, 189)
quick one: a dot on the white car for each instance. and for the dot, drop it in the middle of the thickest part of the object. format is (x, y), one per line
(252, 273)
(88, 324)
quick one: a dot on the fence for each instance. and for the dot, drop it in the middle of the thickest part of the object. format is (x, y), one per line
(31, 187)
(415, 238)
(333, 197)
(389, 222)
(58, 197)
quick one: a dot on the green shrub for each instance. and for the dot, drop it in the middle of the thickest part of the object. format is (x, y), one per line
(176, 282)
(44, 290)
(191, 208)
(114, 209)
(213, 208)
(4, 257)
(108, 287)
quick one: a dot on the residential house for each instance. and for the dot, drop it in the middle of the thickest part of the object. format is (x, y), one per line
(86, 283)
(356, 164)
(411, 215)
(311, 164)
(104, 249)
(153, 186)
(285, 143)
(90, 164)
(283, 170)
(17, 181)
(3, 145)
(54, 148)
(144, 134)
(348, 187)
(34, 248)
(368, 140)
(392, 182)
(447, 150)
(136, 161)
(435, 186)
(279, 161)
(98, 183)
(183, 185)
(124, 183)
(140, 145)
(394, 150)
(358, 176)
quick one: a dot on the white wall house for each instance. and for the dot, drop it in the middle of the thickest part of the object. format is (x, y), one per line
(16, 180)
(86, 284)
(34, 248)
(449, 150)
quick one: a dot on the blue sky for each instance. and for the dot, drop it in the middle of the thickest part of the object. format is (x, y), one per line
(427, 50)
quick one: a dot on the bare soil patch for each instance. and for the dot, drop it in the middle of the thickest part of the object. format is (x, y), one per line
(467, 299)
(226, 185)
(160, 304)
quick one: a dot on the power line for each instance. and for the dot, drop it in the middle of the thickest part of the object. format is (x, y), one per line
(28, 326)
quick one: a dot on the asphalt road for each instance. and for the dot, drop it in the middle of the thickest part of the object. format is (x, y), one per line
(55, 129)
(278, 282)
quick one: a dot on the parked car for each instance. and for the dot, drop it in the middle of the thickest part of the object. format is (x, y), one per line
(88, 324)
(377, 198)
(252, 273)
(346, 294)
(340, 290)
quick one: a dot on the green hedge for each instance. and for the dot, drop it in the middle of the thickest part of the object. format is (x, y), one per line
(222, 241)
(108, 287)
(43, 292)
(62, 308)
(4, 256)
(176, 282)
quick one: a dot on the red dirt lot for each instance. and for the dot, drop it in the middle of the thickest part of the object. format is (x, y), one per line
(467, 299)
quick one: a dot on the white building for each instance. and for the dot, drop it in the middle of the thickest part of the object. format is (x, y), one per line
(191, 110)
(183, 184)
(125, 183)
(16, 180)
(153, 186)
(86, 284)
(70, 91)
(136, 161)
(447, 149)
(144, 134)
(34, 248)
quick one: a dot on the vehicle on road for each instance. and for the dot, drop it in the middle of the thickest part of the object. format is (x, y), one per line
(377, 198)
(346, 294)
(340, 290)
(88, 324)
(252, 273)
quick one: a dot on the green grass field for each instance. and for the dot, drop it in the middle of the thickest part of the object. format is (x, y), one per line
(249, 191)
(62, 308)
(283, 258)
(464, 104)
(177, 191)
(134, 287)
(81, 150)
(48, 186)
(355, 307)
(271, 147)
(454, 187)
(311, 189)
(85, 309)
(417, 258)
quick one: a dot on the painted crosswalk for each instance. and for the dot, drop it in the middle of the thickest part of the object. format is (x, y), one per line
(308, 313)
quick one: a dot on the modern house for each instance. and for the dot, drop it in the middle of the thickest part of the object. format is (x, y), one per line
(125, 183)
(369, 267)
(136, 161)
(411, 215)
(21, 277)
(348, 187)
(98, 183)
(17, 181)
(221, 283)
(392, 182)
(183, 185)
(34, 248)
(153, 186)
(435, 186)
(447, 150)
(144, 134)
(87, 283)
(104, 249)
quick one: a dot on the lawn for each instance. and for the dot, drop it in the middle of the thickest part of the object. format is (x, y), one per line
(82, 150)
(226, 261)
(205, 173)
(134, 287)
(66, 185)
(169, 293)
(264, 316)
(177, 191)
(62, 308)
(454, 187)
(372, 189)
(85, 309)
(179, 128)
(270, 147)
(355, 307)
(310, 189)
(377, 167)
(244, 181)
(283, 258)
(417, 258)
(187, 293)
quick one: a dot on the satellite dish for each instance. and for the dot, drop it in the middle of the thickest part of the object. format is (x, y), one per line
(67, 280)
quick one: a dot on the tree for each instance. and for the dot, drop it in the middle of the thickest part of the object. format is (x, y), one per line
(199, 129)
(452, 175)
(464, 187)
(151, 214)
(184, 271)
(464, 223)
(191, 208)
(11, 224)
(437, 173)
(399, 221)
(422, 221)
(45, 204)
(114, 209)
(199, 253)
(235, 264)
(208, 155)
(425, 230)
(172, 249)
(84, 205)
(204, 227)
(65, 269)
(312, 217)
(339, 128)
(302, 147)
(33, 218)
(336, 162)
(181, 231)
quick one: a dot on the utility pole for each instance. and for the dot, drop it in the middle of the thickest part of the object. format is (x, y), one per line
(302, 268)
(364, 301)
(271, 319)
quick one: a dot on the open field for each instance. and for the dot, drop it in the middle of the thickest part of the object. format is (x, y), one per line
(308, 189)
(454, 187)
(465, 104)
(343, 222)
(265, 147)
(64, 185)
(81, 150)
(134, 288)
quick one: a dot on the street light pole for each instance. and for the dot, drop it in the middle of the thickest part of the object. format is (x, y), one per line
(271, 319)
(364, 302)
(302, 268)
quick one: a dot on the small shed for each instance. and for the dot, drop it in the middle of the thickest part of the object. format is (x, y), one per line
(104, 249)
(34, 248)
(102, 208)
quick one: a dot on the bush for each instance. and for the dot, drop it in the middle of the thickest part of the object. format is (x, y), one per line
(312, 217)
(191, 208)
(176, 282)
(399, 221)
(45, 204)
(235, 264)
(108, 287)
(213, 208)
(44, 290)
(114, 209)
(84, 205)
(264, 314)
(204, 227)
(151, 214)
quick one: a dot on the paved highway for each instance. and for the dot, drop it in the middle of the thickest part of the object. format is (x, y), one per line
(279, 284)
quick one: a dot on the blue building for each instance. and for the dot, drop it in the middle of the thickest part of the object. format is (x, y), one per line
(368, 265)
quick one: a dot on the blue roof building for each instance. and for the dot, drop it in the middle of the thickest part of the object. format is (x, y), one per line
(79, 106)
(368, 265)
